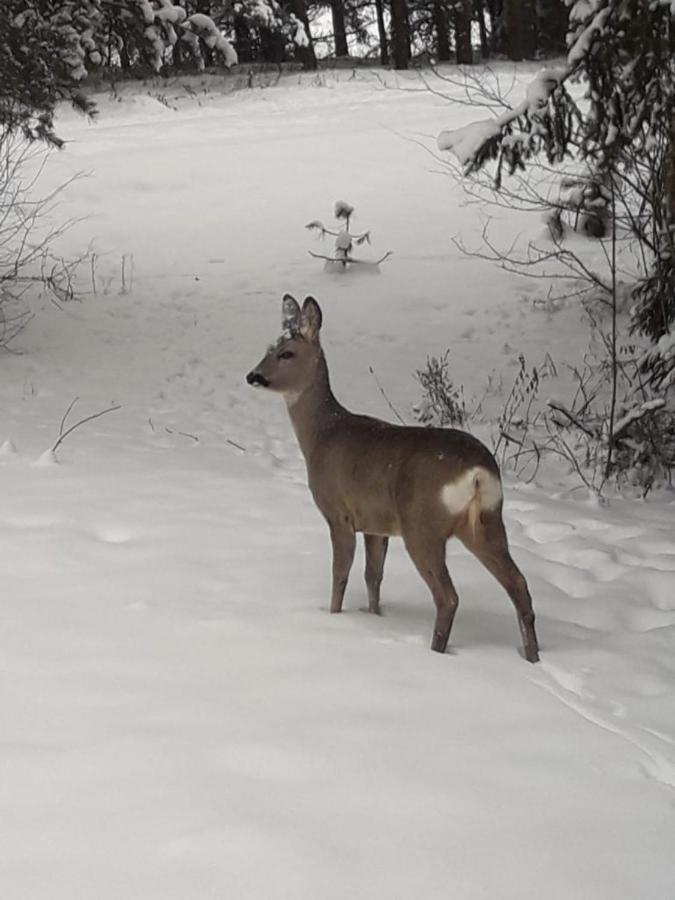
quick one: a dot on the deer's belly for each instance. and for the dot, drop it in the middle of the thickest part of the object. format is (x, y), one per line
(371, 519)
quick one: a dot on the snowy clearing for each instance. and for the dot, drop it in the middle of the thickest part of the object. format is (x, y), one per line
(181, 716)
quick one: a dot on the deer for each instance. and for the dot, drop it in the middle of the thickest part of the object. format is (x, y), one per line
(382, 480)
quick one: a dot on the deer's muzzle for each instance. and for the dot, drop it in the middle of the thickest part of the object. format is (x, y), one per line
(255, 379)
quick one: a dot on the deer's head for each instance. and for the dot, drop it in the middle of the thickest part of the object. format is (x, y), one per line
(290, 365)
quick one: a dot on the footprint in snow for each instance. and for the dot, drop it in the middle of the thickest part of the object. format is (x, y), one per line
(113, 534)
(519, 506)
(545, 532)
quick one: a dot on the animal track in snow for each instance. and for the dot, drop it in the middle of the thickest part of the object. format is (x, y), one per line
(113, 534)
(544, 532)
(519, 506)
(569, 687)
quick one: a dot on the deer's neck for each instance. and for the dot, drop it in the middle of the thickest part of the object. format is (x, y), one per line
(314, 410)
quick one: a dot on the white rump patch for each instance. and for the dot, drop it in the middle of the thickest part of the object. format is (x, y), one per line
(457, 495)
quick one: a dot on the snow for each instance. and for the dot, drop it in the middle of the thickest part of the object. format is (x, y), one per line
(300, 36)
(342, 210)
(169, 13)
(343, 241)
(579, 49)
(182, 718)
(207, 29)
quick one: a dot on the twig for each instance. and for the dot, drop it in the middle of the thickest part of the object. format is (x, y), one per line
(93, 272)
(66, 414)
(350, 260)
(183, 434)
(613, 357)
(64, 434)
(558, 407)
(388, 401)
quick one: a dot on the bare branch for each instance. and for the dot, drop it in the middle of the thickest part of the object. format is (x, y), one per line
(64, 434)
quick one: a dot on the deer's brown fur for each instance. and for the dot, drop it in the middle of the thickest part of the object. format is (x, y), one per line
(384, 480)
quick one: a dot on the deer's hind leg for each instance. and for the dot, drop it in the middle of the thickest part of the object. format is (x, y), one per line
(427, 551)
(490, 545)
(376, 553)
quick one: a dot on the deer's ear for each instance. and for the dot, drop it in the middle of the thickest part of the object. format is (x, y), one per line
(311, 319)
(291, 315)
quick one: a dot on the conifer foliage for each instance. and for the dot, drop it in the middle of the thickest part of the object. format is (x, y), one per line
(47, 47)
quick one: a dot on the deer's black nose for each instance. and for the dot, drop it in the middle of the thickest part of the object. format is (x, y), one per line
(255, 378)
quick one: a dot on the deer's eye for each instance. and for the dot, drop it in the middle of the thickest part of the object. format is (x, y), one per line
(286, 354)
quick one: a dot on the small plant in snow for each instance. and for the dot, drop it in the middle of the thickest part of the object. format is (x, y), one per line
(442, 401)
(345, 240)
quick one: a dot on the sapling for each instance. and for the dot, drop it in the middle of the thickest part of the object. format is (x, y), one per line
(344, 241)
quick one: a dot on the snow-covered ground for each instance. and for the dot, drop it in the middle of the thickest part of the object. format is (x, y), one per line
(181, 718)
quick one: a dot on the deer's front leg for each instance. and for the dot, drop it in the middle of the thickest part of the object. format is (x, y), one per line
(344, 542)
(376, 552)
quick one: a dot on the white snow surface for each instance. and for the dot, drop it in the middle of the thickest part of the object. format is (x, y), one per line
(182, 718)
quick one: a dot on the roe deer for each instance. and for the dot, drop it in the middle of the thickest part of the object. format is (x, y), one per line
(423, 484)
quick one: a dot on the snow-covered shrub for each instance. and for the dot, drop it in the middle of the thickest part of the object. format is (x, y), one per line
(627, 439)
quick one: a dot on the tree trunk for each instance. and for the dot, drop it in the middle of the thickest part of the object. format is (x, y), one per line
(382, 32)
(177, 55)
(442, 28)
(339, 29)
(552, 25)
(125, 62)
(519, 21)
(484, 45)
(495, 11)
(669, 183)
(400, 34)
(242, 39)
(463, 14)
(272, 46)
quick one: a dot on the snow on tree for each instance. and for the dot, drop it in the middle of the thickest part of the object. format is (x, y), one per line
(48, 48)
(44, 51)
(299, 33)
(201, 28)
